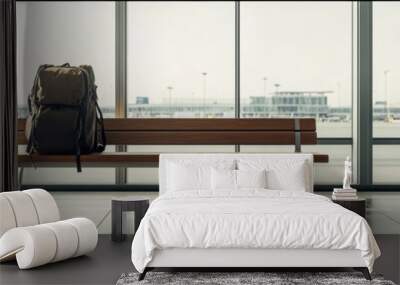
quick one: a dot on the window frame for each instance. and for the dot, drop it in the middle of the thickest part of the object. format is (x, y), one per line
(362, 140)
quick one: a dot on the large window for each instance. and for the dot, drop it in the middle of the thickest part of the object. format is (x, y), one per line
(181, 59)
(296, 62)
(216, 59)
(386, 90)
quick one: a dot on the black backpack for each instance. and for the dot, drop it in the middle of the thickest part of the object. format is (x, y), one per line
(64, 117)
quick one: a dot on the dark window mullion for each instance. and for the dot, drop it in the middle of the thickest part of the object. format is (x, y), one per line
(364, 93)
(237, 64)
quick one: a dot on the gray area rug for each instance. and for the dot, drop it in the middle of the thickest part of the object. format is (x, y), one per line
(269, 278)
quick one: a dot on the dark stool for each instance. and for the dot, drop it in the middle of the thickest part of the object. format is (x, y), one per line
(124, 204)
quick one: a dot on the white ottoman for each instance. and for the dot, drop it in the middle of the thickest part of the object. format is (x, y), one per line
(32, 233)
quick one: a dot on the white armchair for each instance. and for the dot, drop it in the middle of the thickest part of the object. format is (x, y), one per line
(31, 230)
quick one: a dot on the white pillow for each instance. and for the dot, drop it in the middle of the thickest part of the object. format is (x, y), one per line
(223, 179)
(282, 174)
(226, 179)
(251, 178)
(186, 177)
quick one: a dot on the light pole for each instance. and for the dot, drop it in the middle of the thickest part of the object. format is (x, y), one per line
(386, 72)
(265, 95)
(204, 91)
(170, 88)
(277, 85)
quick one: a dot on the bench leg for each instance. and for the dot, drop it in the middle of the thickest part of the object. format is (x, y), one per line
(364, 271)
(143, 274)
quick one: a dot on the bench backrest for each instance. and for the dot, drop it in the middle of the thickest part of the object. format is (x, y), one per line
(205, 132)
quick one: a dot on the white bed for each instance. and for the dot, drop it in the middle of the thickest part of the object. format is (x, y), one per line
(198, 222)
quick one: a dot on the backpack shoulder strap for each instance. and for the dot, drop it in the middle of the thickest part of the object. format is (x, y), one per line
(89, 70)
(100, 146)
(30, 102)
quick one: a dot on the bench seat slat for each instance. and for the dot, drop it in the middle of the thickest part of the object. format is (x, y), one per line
(107, 159)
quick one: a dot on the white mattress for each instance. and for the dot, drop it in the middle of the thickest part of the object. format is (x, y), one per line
(252, 219)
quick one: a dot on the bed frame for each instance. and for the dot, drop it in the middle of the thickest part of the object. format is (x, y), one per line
(250, 258)
(259, 259)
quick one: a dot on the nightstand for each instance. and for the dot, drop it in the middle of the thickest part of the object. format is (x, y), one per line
(357, 206)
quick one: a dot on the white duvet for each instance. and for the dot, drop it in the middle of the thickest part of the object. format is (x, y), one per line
(250, 219)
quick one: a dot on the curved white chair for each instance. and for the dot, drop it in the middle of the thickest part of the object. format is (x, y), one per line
(31, 230)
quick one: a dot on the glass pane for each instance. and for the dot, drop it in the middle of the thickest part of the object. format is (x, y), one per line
(333, 171)
(296, 62)
(46, 34)
(386, 164)
(386, 71)
(181, 59)
(68, 175)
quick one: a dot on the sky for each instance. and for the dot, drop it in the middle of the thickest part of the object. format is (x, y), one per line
(301, 46)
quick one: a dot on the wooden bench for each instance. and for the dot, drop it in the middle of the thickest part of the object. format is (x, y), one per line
(295, 132)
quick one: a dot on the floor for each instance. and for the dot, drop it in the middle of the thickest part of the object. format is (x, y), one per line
(103, 266)
(110, 260)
